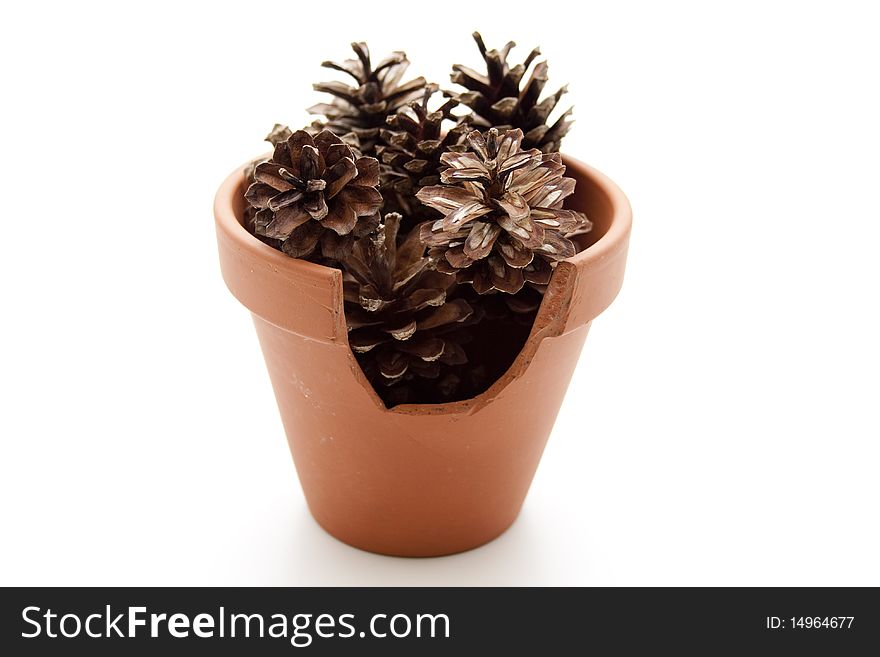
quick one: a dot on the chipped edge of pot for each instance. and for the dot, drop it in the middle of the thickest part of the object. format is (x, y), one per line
(554, 316)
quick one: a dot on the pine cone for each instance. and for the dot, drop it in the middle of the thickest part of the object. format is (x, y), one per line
(499, 100)
(415, 140)
(315, 191)
(362, 109)
(411, 147)
(503, 223)
(397, 309)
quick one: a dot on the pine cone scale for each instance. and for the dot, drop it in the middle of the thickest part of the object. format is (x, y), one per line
(480, 240)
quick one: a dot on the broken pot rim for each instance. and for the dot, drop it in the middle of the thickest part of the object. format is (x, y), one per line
(614, 239)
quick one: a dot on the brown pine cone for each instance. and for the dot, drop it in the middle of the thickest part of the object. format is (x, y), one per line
(410, 150)
(499, 100)
(415, 138)
(361, 109)
(315, 191)
(398, 311)
(503, 223)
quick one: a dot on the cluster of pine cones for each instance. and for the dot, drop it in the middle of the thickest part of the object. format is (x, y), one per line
(440, 219)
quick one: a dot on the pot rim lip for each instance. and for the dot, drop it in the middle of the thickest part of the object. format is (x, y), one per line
(614, 240)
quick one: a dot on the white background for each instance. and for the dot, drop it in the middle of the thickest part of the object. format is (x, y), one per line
(721, 428)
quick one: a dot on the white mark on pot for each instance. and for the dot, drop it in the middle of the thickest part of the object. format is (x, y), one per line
(326, 439)
(303, 388)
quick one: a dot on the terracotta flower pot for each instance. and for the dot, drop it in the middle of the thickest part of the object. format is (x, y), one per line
(416, 480)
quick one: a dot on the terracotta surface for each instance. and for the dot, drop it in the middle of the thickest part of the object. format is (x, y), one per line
(417, 480)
